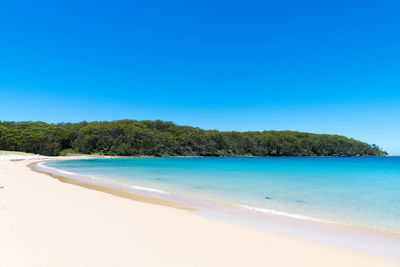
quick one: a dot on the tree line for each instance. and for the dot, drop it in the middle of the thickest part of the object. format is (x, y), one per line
(161, 138)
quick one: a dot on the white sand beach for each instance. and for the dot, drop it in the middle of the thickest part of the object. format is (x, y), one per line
(45, 222)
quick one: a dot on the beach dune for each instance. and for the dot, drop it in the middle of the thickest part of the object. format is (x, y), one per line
(44, 222)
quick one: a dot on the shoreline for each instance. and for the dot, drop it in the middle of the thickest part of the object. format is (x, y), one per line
(234, 213)
(108, 190)
(72, 226)
(83, 180)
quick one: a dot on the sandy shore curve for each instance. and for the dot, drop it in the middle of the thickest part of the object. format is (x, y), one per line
(44, 222)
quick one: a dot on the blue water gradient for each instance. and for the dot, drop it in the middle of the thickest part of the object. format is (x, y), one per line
(353, 191)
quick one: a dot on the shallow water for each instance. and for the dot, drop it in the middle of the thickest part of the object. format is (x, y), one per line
(362, 192)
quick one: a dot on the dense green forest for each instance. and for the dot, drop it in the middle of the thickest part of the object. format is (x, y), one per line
(159, 138)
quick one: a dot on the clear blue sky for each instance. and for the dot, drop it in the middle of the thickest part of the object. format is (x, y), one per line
(317, 66)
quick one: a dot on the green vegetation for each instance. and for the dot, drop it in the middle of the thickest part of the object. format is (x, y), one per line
(159, 138)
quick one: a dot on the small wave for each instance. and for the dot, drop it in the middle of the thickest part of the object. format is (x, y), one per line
(148, 189)
(43, 166)
(281, 213)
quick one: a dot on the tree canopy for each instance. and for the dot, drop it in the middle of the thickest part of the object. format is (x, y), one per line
(160, 138)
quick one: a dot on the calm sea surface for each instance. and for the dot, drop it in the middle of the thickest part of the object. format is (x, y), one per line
(352, 191)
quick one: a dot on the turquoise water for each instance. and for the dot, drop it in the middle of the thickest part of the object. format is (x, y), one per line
(352, 191)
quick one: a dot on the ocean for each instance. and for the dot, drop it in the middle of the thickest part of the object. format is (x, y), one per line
(351, 191)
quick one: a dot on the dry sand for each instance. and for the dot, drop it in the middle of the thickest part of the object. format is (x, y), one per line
(44, 222)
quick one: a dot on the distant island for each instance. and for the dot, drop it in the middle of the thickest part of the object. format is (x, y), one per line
(163, 139)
